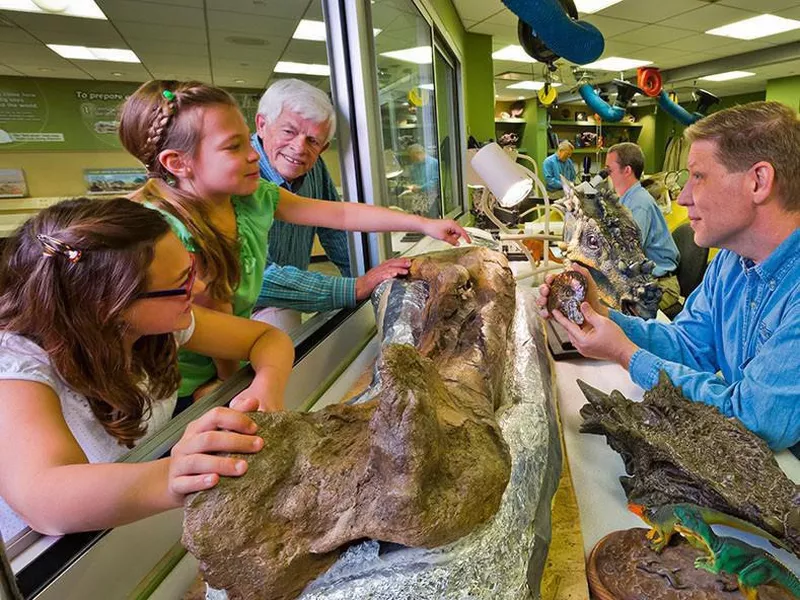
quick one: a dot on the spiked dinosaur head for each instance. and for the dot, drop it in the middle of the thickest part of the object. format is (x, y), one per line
(600, 234)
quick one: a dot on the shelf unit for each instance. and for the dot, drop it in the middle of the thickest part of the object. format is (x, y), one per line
(583, 151)
(594, 124)
(611, 133)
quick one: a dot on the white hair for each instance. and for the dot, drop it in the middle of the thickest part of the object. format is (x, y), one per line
(301, 98)
(565, 145)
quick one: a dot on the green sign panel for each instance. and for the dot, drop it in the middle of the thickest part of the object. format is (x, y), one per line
(60, 114)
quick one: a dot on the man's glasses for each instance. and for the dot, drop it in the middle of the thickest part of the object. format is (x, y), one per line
(184, 290)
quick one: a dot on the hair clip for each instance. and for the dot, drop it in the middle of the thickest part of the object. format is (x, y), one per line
(52, 246)
(168, 95)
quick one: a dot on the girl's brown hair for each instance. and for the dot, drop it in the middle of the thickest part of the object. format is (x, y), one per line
(164, 115)
(72, 304)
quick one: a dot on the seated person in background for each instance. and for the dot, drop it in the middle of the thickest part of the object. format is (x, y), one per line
(423, 170)
(743, 321)
(294, 126)
(95, 300)
(625, 164)
(557, 165)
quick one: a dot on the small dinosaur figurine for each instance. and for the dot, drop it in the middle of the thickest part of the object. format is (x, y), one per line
(662, 521)
(751, 566)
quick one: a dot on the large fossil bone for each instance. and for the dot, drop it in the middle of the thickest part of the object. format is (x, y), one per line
(422, 465)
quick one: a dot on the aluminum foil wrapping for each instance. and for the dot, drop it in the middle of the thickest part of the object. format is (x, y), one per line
(504, 558)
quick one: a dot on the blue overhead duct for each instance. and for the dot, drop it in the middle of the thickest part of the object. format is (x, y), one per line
(611, 114)
(676, 111)
(577, 41)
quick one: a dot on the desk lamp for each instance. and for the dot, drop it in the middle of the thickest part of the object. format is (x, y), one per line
(508, 183)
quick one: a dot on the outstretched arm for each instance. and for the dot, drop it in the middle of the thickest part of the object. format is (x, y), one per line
(351, 216)
(40, 460)
(269, 350)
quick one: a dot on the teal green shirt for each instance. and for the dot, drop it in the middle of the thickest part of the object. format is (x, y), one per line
(254, 217)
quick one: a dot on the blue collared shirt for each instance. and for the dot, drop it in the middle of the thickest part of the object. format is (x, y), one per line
(287, 283)
(656, 239)
(743, 321)
(553, 169)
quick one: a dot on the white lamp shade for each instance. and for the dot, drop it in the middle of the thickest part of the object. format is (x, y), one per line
(504, 178)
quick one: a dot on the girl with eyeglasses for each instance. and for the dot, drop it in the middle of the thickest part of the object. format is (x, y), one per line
(95, 299)
(203, 174)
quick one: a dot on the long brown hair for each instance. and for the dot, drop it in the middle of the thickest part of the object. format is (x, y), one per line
(164, 115)
(73, 309)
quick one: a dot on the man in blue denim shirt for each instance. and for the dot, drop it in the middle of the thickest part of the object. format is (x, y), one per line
(743, 321)
(625, 165)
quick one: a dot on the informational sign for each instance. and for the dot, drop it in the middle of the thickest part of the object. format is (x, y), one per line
(71, 114)
(60, 114)
(12, 183)
(104, 181)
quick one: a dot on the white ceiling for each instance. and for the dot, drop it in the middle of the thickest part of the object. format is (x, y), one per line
(236, 43)
(668, 32)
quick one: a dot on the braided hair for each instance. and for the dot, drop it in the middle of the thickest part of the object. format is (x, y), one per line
(163, 115)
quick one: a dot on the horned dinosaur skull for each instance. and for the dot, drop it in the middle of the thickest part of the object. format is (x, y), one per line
(600, 234)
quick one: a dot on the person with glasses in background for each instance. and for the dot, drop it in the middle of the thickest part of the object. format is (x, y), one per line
(95, 299)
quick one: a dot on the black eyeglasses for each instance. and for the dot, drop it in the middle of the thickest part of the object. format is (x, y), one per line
(184, 290)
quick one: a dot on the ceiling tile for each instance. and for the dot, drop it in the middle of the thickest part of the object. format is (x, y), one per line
(653, 35)
(157, 32)
(253, 25)
(6, 70)
(15, 35)
(170, 49)
(698, 43)
(479, 10)
(617, 47)
(650, 11)
(763, 6)
(103, 70)
(68, 72)
(147, 12)
(612, 27)
(708, 17)
(270, 8)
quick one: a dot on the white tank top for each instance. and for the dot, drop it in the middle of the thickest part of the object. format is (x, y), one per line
(23, 360)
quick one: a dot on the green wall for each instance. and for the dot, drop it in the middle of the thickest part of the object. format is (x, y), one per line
(785, 90)
(667, 127)
(479, 86)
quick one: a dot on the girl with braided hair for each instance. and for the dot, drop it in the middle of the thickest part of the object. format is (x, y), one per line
(204, 176)
(95, 297)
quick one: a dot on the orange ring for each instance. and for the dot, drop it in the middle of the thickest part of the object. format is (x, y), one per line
(649, 81)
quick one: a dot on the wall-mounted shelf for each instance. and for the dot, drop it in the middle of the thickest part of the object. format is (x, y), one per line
(592, 124)
(510, 121)
(584, 151)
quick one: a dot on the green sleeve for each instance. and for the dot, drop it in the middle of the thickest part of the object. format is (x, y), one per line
(177, 226)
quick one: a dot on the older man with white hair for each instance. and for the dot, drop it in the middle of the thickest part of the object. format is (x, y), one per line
(557, 165)
(294, 125)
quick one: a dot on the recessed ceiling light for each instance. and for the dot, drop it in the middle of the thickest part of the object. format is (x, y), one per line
(520, 97)
(117, 74)
(615, 63)
(515, 53)
(86, 9)
(239, 81)
(44, 69)
(593, 6)
(421, 55)
(84, 53)
(529, 85)
(314, 31)
(245, 40)
(727, 76)
(302, 68)
(756, 27)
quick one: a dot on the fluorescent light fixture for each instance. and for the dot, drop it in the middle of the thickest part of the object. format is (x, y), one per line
(529, 85)
(310, 30)
(615, 63)
(756, 27)
(515, 53)
(727, 76)
(314, 31)
(86, 9)
(421, 55)
(593, 6)
(302, 68)
(426, 86)
(85, 53)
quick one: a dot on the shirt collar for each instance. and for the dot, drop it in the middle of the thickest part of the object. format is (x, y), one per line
(630, 190)
(779, 262)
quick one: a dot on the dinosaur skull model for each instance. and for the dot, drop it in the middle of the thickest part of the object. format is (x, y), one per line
(600, 234)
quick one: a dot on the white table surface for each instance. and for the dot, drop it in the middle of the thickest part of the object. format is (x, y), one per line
(596, 468)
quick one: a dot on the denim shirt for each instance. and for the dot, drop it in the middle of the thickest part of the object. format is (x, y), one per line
(656, 239)
(742, 322)
(553, 169)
